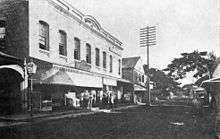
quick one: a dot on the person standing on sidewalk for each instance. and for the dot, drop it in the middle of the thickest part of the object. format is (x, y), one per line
(196, 105)
(112, 100)
(90, 100)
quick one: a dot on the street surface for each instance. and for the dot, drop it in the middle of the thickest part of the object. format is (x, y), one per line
(133, 123)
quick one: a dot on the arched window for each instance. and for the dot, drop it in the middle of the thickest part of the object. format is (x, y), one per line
(43, 35)
(62, 43)
(77, 49)
(88, 53)
(97, 57)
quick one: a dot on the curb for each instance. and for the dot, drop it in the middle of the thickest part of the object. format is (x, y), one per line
(59, 115)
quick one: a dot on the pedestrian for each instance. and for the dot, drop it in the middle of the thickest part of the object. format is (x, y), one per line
(112, 100)
(90, 100)
(196, 105)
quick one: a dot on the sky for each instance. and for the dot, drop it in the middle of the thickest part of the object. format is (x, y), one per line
(182, 25)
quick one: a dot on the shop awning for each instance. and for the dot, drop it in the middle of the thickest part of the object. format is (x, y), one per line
(108, 81)
(85, 80)
(139, 88)
(124, 80)
(211, 81)
(61, 77)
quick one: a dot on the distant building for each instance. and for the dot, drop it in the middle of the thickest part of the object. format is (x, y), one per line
(72, 52)
(212, 87)
(132, 70)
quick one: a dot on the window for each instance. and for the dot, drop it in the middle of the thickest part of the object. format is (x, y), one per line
(62, 43)
(119, 66)
(77, 49)
(139, 77)
(97, 61)
(2, 32)
(43, 35)
(88, 53)
(111, 64)
(143, 78)
(104, 60)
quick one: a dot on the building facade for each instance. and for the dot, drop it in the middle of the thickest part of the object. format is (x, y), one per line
(132, 70)
(212, 87)
(72, 52)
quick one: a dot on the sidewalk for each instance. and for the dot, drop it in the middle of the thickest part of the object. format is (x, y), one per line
(26, 118)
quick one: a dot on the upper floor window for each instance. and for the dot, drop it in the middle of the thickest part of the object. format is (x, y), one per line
(97, 58)
(2, 32)
(62, 43)
(119, 66)
(88, 53)
(111, 62)
(43, 35)
(104, 60)
(77, 49)
(143, 78)
(139, 77)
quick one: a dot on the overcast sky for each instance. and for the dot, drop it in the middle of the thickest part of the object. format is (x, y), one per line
(182, 25)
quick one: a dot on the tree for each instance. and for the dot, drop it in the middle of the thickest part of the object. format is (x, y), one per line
(203, 63)
(161, 81)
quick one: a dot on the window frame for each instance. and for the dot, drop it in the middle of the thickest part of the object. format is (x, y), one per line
(119, 66)
(97, 57)
(77, 48)
(88, 53)
(104, 63)
(62, 45)
(111, 64)
(3, 25)
(43, 36)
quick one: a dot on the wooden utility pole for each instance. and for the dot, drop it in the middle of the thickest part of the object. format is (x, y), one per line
(147, 39)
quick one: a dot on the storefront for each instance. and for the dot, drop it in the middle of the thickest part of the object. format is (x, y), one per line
(126, 90)
(212, 87)
(109, 90)
(64, 87)
(139, 94)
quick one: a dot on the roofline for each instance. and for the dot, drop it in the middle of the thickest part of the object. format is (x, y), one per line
(102, 33)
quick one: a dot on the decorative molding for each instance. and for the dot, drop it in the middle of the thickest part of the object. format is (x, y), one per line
(79, 17)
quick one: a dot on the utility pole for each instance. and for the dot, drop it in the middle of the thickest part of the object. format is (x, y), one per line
(147, 39)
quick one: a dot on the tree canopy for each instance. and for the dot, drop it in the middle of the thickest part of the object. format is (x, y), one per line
(161, 80)
(202, 63)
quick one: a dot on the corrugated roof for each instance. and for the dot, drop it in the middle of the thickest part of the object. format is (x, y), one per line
(130, 62)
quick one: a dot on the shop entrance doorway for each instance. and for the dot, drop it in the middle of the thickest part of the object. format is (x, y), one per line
(10, 95)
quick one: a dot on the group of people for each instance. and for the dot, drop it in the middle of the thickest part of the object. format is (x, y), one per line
(92, 98)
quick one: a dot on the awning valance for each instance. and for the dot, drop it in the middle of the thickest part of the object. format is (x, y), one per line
(85, 80)
(139, 88)
(108, 81)
(124, 80)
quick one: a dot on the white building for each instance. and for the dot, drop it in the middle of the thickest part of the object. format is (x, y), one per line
(72, 51)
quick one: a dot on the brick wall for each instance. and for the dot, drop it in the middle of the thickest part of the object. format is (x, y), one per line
(15, 13)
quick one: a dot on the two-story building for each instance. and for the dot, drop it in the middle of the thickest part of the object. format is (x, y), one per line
(72, 52)
(132, 70)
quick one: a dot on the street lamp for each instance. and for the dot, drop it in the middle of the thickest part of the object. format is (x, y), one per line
(31, 69)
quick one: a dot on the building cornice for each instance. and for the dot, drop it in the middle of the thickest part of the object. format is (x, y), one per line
(72, 12)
